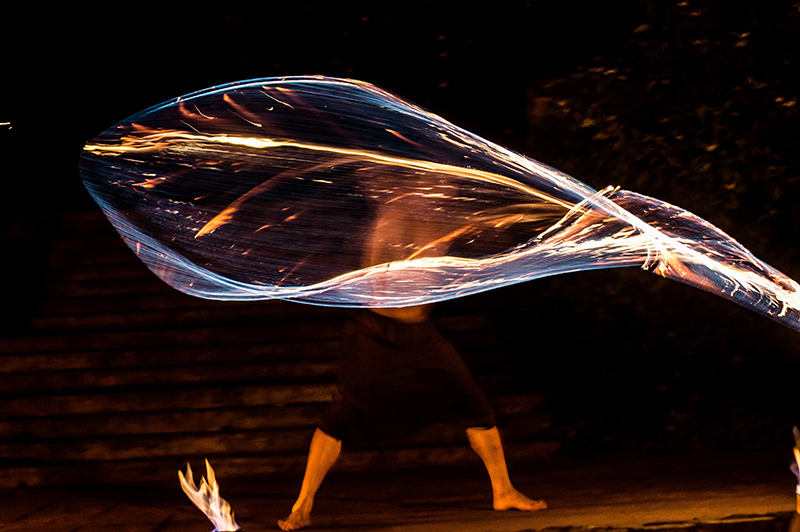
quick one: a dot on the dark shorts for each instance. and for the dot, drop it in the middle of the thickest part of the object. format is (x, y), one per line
(396, 378)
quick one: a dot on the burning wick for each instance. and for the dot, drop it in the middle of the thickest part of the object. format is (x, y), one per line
(207, 498)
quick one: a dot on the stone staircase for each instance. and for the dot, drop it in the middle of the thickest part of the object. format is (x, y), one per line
(113, 377)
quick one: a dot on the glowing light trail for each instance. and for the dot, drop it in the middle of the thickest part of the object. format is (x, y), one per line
(346, 195)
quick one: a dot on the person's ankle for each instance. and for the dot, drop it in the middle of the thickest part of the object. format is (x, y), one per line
(503, 490)
(303, 505)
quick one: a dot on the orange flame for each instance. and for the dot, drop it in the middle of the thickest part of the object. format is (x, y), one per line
(207, 499)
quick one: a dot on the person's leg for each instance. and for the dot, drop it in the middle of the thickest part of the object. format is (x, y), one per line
(322, 454)
(486, 443)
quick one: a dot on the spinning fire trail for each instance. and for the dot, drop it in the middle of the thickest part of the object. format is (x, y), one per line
(335, 192)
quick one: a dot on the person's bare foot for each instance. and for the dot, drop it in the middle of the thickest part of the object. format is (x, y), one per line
(298, 519)
(514, 500)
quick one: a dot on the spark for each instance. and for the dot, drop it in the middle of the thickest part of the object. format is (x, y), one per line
(401, 137)
(246, 120)
(277, 100)
(204, 115)
(241, 112)
(190, 126)
(219, 220)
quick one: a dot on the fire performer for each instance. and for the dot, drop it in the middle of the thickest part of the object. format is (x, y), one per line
(400, 375)
(264, 188)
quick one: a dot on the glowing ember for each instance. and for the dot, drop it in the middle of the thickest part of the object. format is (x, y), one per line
(335, 192)
(207, 498)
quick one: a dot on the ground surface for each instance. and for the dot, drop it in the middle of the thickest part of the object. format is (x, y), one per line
(734, 492)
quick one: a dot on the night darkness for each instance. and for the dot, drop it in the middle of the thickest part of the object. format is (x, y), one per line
(694, 103)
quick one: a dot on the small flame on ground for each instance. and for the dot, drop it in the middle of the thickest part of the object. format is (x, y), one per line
(796, 465)
(207, 498)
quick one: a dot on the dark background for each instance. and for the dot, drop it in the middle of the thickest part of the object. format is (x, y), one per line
(692, 102)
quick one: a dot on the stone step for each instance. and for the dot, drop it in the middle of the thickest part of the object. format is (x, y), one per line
(230, 314)
(156, 446)
(270, 332)
(163, 472)
(226, 313)
(226, 419)
(170, 371)
(142, 377)
(89, 268)
(165, 400)
(145, 284)
(155, 357)
(203, 327)
(98, 304)
(167, 299)
(162, 445)
(82, 244)
(511, 411)
(85, 224)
